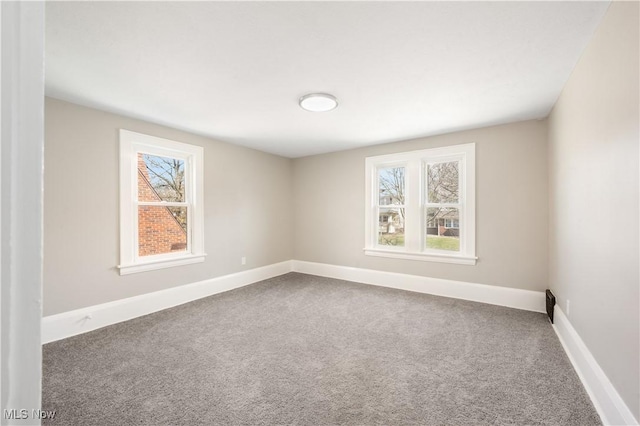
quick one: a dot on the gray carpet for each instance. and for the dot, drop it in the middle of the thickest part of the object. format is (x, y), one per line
(300, 349)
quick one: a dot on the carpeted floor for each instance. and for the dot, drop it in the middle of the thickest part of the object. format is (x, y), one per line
(300, 349)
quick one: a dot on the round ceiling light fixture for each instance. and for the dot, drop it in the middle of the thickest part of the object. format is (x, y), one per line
(318, 102)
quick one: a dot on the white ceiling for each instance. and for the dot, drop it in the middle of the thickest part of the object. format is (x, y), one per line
(234, 70)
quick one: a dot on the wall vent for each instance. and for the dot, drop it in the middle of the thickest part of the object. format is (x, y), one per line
(551, 302)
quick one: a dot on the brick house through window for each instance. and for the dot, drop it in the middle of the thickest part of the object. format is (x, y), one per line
(159, 231)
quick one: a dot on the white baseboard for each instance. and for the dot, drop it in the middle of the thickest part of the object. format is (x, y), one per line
(504, 296)
(605, 398)
(67, 324)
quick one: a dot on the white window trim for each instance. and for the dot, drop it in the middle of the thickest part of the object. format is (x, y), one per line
(415, 161)
(130, 144)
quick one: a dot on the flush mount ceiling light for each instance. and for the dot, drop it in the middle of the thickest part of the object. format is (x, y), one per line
(318, 102)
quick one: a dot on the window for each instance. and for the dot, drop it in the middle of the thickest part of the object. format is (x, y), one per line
(161, 203)
(390, 207)
(451, 223)
(421, 205)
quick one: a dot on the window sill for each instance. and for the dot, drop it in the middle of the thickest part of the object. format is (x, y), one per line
(425, 257)
(160, 264)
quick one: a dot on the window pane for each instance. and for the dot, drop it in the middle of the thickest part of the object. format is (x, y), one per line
(442, 182)
(443, 229)
(160, 178)
(161, 230)
(391, 186)
(391, 226)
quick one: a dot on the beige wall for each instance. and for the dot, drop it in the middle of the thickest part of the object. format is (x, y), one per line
(247, 209)
(593, 185)
(511, 211)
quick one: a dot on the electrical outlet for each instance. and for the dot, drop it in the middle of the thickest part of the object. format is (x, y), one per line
(243, 260)
(568, 307)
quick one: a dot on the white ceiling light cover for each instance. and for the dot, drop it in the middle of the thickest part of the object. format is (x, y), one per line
(318, 102)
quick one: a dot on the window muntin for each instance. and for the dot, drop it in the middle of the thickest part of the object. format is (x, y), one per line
(437, 202)
(161, 210)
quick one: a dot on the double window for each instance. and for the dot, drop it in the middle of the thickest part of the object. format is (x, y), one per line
(421, 205)
(161, 216)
